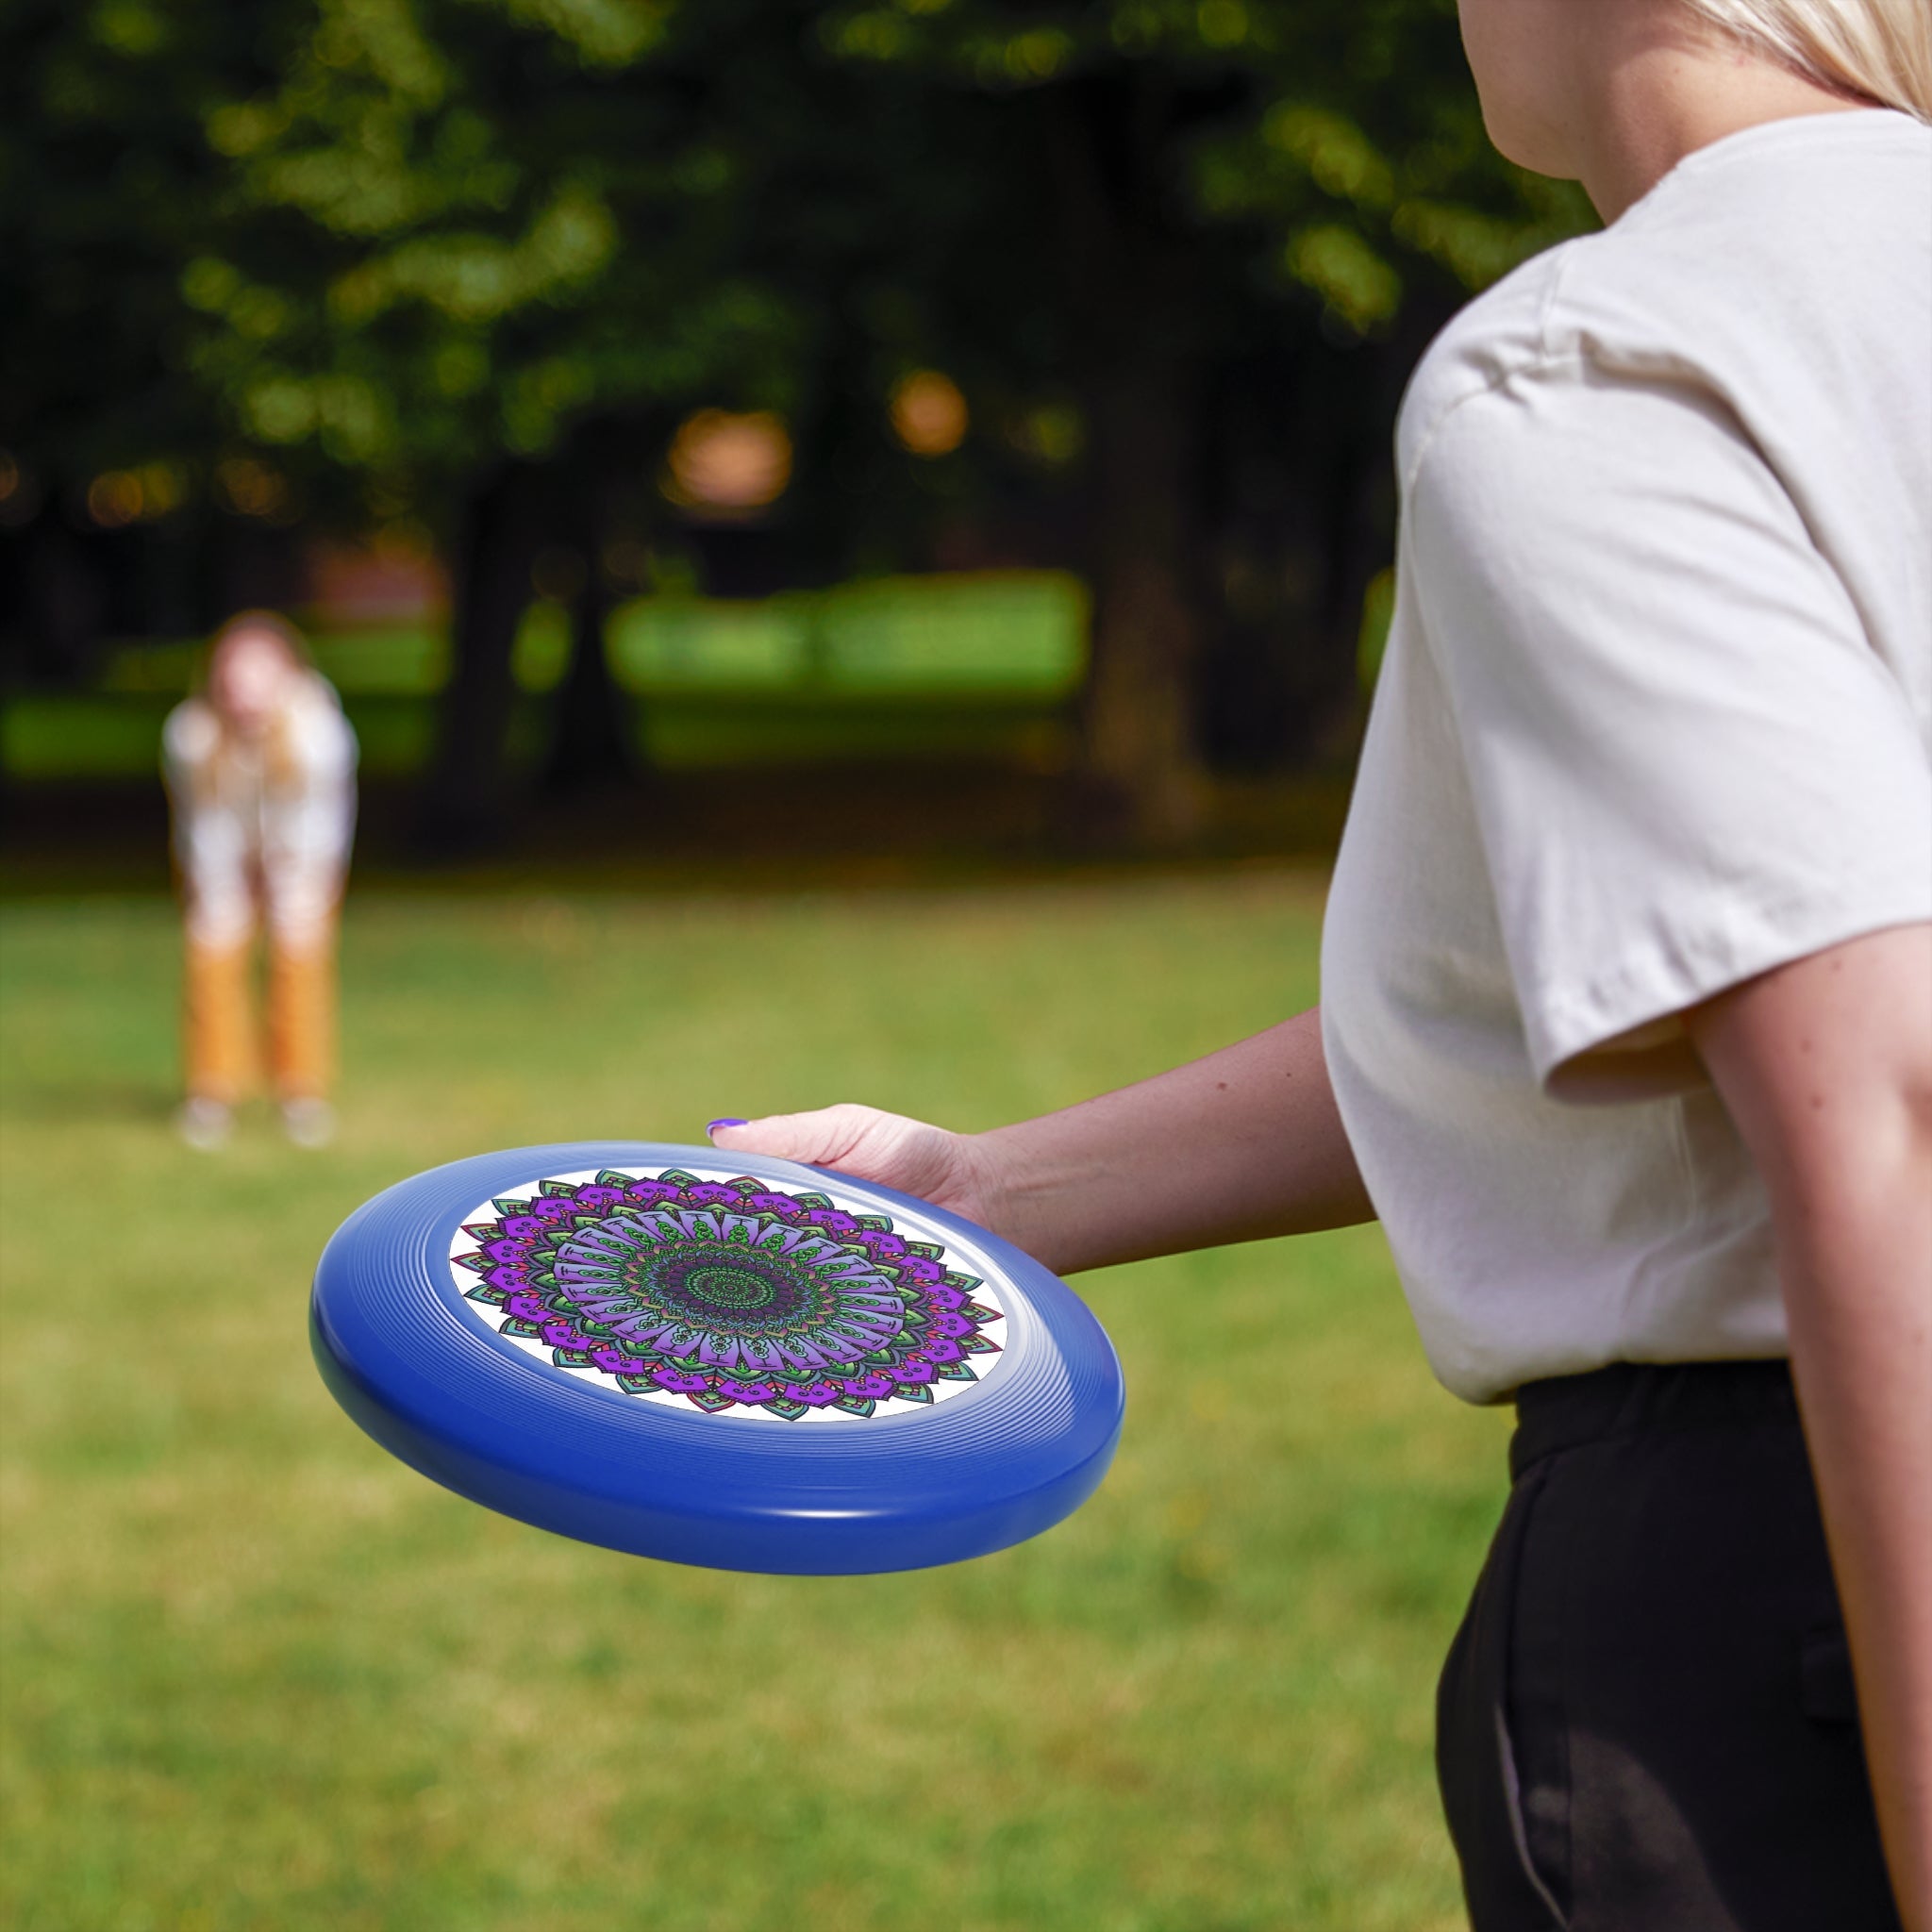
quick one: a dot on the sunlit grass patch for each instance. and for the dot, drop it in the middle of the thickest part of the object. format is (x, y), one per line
(257, 1674)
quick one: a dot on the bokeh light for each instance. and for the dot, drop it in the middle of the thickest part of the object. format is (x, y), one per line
(250, 488)
(929, 415)
(119, 497)
(114, 499)
(1049, 433)
(726, 464)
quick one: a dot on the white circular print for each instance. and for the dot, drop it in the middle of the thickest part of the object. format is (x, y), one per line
(728, 1295)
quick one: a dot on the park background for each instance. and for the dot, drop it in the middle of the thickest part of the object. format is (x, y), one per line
(855, 540)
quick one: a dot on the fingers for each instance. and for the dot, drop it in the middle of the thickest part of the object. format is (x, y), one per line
(819, 1139)
(875, 1146)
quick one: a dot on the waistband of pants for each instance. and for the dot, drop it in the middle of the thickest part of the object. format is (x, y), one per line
(1638, 1398)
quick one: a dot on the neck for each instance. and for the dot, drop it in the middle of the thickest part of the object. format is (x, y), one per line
(1661, 93)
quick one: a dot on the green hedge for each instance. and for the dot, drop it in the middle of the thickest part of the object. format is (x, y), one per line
(977, 665)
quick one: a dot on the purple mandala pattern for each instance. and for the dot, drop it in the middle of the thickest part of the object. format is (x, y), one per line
(726, 1295)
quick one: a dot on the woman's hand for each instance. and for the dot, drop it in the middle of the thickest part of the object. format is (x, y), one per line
(949, 1170)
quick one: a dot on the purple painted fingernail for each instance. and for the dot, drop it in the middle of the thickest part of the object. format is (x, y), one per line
(716, 1125)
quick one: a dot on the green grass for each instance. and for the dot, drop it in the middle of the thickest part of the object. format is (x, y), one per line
(258, 1675)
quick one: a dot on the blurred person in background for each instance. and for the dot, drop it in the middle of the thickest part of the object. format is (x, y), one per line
(1627, 1022)
(260, 768)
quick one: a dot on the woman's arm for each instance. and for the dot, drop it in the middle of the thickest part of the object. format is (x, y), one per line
(1826, 1068)
(1243, 1144)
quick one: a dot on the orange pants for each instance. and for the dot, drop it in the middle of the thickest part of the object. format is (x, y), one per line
(222, 1045)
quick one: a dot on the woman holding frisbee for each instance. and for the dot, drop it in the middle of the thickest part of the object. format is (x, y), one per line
(261, 775)
(1626, 1032)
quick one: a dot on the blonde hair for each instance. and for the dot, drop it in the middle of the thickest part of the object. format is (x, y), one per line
(245, 622)
(1879, 50)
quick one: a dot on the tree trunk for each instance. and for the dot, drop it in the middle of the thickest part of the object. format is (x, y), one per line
(1141, 742)
(468, 797)
(63, 605)
(1133, 305)
(591, 745)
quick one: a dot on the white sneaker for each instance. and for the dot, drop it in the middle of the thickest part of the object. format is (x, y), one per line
(309, 1121)
(204, 1123)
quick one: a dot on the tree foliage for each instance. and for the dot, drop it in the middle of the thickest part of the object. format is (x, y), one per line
(417, 254)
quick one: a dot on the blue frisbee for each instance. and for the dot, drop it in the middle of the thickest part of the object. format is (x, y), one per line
(716, 1359)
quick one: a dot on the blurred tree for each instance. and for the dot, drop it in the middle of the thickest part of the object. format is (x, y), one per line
(489, 234)
(106, 189)
(468, 262)
(506, 247)
(1234, 194)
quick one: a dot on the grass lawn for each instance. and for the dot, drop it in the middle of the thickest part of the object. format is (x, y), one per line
(257, 1674)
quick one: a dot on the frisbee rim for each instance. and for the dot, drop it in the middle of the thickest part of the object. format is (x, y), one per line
(568, 1460)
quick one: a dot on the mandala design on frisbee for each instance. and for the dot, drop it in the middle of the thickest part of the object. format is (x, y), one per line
(726, 1295)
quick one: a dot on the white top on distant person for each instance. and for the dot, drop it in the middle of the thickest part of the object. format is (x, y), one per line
(1629, 962)
(261, 767)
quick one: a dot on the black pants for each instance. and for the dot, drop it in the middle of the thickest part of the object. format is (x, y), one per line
(1646, 1721)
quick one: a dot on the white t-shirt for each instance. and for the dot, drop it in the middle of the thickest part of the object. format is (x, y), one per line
(1655, 716)
(249, 825)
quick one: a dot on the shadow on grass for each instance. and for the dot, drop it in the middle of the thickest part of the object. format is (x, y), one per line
(770, 829)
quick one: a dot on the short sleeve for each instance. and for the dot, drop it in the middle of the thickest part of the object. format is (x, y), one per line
(188, 740)
(1688, 761)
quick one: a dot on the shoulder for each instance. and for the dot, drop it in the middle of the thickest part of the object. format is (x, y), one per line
(1496, 338)
(191, 734)
(1753, 268)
